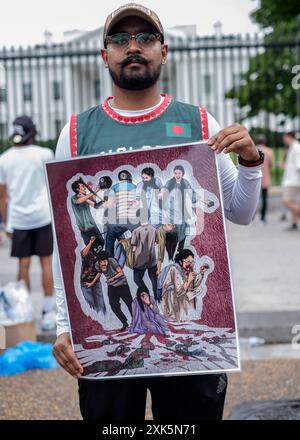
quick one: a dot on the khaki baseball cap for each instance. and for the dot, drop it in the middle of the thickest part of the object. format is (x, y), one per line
(131, 10)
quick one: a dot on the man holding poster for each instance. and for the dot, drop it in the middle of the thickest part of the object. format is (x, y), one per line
(138, 115)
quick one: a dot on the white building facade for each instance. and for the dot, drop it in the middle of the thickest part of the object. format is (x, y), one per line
(49, 82)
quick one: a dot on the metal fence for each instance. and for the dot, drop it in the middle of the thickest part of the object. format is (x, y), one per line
(50, 82)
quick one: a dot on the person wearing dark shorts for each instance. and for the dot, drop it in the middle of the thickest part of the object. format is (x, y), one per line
(38, 241)
(25, 210)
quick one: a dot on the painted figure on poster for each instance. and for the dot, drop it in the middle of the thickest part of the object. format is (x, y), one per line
(147, 197)
(123, 252)
(81, 202)
(143, 242)
(181, 288)
(121, 209)
(178, 196)
(90, 277)
(104, 185)
(146, 315)
(117, 286)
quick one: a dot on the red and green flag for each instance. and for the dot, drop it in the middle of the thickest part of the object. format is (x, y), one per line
(179, 129)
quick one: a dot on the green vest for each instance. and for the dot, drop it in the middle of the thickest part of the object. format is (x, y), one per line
(100, 130)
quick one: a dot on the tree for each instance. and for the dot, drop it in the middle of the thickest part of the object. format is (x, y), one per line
(267, 85)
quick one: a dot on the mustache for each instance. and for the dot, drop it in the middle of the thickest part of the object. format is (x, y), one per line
(134, 58)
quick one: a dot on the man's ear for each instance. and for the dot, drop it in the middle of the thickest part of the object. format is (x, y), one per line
(104, 56)
(164, 51)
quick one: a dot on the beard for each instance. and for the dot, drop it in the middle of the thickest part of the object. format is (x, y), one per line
(135, 80)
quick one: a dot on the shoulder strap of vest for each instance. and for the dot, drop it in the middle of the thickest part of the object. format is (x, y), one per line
(73, 135)
(204, 123)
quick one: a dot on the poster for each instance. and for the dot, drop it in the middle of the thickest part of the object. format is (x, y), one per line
(144, 261)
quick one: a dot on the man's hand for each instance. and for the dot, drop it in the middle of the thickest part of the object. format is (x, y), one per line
(65, 356)
(191, 277)
(235, 138)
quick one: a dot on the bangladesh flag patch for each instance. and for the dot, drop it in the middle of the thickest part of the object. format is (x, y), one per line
(178, 129)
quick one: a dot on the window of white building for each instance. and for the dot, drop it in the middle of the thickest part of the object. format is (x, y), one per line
(207, 83)
(97, 89)
(58, 127)
(57, 90)
(27, 91)
(3, 95)
(3, 131)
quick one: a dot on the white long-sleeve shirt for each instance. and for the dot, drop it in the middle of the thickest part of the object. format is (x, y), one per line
(240, 189)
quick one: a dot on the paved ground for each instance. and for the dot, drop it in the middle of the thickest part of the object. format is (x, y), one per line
(264, 261)
(267, 374)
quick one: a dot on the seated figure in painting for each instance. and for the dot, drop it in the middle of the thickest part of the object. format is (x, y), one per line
(146, 315)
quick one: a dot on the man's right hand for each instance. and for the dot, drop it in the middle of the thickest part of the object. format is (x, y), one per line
(65, 356)
(191, 277)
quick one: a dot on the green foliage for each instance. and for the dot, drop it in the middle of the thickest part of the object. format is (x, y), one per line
(273, 13)
(266, 86)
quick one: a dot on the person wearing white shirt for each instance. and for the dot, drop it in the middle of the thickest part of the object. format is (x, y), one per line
(25, 208)
(291, 179)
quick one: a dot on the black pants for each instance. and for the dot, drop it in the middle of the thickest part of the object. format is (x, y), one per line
(171, 244)
(264, 203)
(138, 275)
(115, 294)
(174, 399)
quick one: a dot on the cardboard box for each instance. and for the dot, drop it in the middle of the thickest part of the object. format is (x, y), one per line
(16, 333)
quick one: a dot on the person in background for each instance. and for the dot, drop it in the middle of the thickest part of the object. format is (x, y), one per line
(291, 179)
(262, 144)
(25, 210)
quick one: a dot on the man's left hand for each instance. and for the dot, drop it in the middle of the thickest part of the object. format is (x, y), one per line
(234, 138)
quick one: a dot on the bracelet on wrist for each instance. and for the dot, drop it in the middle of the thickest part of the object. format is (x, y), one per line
(252, 163)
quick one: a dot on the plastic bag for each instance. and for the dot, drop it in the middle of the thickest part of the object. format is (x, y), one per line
(25, 356)
(15, 303)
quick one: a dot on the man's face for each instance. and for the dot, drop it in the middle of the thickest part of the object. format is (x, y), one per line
(134, 67)
(145, 298)
(178, 175)
(188, 262)
(82, 188)
(146, 177)
(103, 265)
(169, 227)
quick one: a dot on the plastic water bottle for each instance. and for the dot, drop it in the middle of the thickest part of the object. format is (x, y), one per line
(252, 341)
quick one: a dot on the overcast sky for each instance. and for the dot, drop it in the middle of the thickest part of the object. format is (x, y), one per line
(23, 22)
